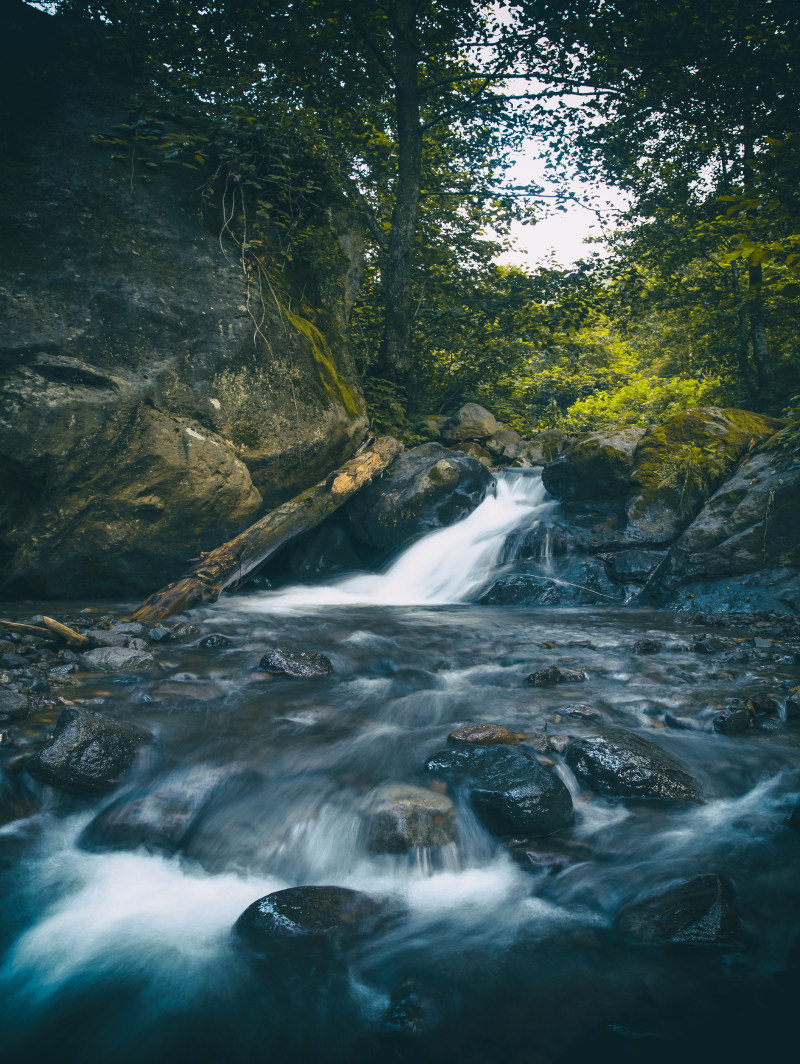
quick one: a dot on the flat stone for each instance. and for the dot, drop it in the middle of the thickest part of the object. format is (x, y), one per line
(118, 659)
(483, 735)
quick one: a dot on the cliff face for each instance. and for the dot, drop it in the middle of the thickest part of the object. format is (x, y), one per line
(139, 421)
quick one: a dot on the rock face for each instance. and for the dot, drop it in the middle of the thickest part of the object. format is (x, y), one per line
(89, 753)
(698, 911)
(424, 489)
(509, 790)
(138, 422)
(597, 467)
(399, 816)
(623, 765)
(320, 918)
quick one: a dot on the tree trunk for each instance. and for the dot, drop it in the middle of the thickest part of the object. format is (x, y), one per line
(394, 360)
(232, 561)
(744, 338)
(758, 331)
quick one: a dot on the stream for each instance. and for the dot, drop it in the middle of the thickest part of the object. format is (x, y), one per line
(507, 949)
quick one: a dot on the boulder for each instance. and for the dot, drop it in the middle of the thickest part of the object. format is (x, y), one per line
(597, 467)
(117, 659)
(501, 439)
(323, 919)
(139, 422)
(89, 752)
(623, 765)
(301, 664)
(510, 791)
(470, 422)
(159, 819)
(551, 675)
(399, 816)
(748, 524)
(13, 704)
(483, 735)
(681, 463)
(423, 489)
(698, 911)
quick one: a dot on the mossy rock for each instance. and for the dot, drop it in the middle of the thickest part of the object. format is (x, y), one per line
(597, 467)
(680, 464)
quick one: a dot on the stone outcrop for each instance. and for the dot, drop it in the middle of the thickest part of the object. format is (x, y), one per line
(424, 489)
(140, 423)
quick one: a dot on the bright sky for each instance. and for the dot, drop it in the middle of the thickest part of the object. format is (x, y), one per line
(559, 238)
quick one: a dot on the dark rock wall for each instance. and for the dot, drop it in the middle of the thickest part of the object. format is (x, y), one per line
(139, 421)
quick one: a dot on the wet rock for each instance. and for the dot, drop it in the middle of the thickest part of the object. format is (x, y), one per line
(483, 735)
(470, 422)
(501, 439)
(13, 661)
(647, 646)
(538, 741)
(89, 753)
(793, 819)
(303, 664)
(700, 910)
(158, 633)
(423, 489)
(791, 707)
(634, 565)
(118, 659)
(322, 918)
(732, 721)
(399, 816)
(768, 725)
(582, 711)
(685, 723)
(533, 859)
(623, 765)
(553, 674)
(14, 704)
(558, 743)
(110, 637)
(511, 793)
(183, 632)
(596, 467)
(709, 644)
(160, 819)
(214, 642)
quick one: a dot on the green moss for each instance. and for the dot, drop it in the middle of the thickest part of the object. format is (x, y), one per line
(320, 348)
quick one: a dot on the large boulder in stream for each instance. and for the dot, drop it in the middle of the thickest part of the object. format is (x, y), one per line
(470, 422)
(319, 920)
(89, 752)
(510, 791)
(150, 409)
(423, 489)
(623, 765)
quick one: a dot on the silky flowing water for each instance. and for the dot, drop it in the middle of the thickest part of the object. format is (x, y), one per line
(128, 955)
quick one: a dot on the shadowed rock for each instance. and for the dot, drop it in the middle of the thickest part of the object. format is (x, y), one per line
(700, 910)
(302, 664)
(399, 816)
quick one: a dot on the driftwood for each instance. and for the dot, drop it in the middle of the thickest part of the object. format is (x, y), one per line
(229, 563)
(52, 628)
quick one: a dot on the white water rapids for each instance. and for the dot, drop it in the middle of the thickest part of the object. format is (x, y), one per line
(447, 566)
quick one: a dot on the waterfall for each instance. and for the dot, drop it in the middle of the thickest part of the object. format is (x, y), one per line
(449, 565)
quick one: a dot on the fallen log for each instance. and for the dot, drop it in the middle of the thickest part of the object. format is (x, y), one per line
(27, 629)
(69, 635)
(229, 563)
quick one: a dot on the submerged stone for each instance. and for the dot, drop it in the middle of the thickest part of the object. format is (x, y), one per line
(510, 791)
(553, 674)
(399, 816)
(623, 765)
(700, 910)
(483, 735)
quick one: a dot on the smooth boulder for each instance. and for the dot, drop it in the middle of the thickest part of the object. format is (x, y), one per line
(623, 765)
(596, 467)
(510, 791)
(89, 752)
(118, 659)
(470, 422)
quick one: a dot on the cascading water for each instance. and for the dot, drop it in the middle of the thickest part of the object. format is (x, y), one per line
(447, 566)
(118, 944)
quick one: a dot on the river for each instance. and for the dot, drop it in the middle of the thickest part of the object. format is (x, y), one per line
(506, 951)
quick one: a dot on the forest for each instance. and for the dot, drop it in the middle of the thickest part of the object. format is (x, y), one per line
(409, 114)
